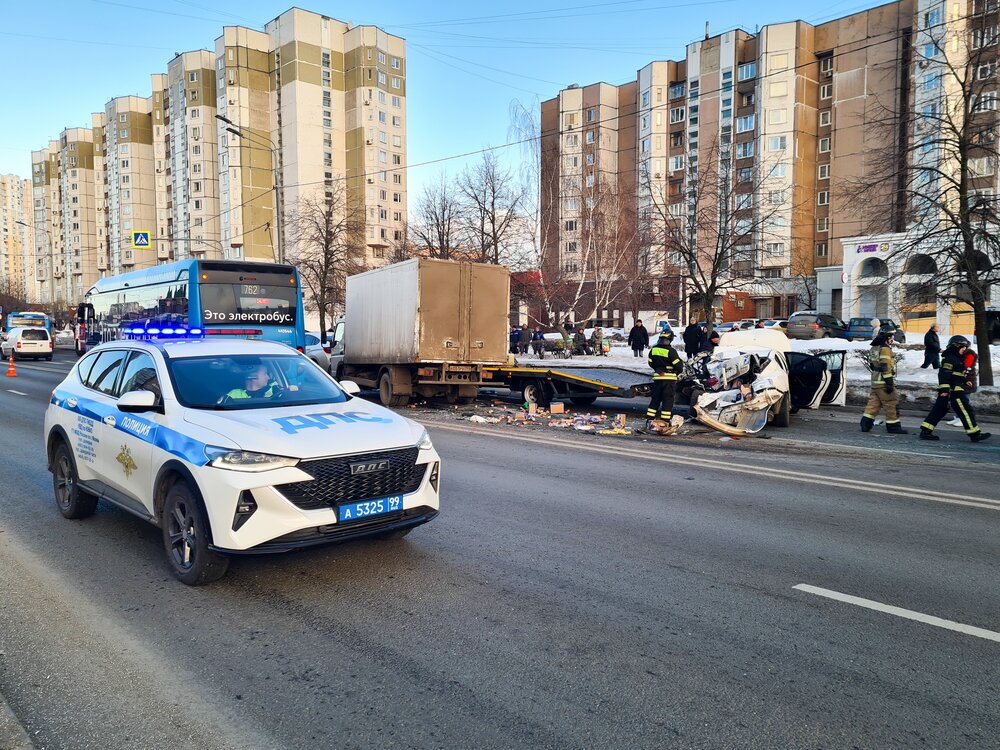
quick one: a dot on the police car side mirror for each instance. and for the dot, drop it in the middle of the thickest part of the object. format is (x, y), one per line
(135, 402)
(350, 387)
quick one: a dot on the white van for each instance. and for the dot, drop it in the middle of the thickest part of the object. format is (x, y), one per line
(26, 342)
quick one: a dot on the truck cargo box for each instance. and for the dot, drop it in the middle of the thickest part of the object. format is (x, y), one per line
(428, 311)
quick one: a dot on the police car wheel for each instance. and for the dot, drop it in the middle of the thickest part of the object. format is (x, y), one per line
(72, 501)
(186, 538)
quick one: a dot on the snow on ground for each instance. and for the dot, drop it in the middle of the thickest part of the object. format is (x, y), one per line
(909, 371)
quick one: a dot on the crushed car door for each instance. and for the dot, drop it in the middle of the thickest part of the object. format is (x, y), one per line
(836, 391)
(808, 380)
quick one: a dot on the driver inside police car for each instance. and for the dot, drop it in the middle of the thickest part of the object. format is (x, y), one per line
(257, 384)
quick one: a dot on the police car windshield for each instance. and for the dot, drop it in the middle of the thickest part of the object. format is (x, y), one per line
(251, 382)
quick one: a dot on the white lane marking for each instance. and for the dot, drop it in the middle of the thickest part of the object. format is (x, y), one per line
(908, 614)
(17, 392)
(769, 472)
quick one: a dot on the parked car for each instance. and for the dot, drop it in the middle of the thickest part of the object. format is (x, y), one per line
(733, 325)
(860, 329)
(815, 325)
(777, 325)
(23, 343)
(317, 351)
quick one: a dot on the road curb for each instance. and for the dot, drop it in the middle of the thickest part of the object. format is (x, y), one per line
(12, 734)
(921, 396)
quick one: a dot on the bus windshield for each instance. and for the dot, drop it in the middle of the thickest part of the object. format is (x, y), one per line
(258, 304)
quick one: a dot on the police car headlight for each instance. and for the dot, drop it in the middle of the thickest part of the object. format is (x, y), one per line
(248, 461)
(425, 443)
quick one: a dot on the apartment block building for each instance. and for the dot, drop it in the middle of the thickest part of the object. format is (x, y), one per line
(17, 237)
(782, 113)
(310, 108)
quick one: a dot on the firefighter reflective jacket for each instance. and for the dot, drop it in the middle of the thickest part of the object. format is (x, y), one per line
(951, 376)
(665, 362)
(883, 365)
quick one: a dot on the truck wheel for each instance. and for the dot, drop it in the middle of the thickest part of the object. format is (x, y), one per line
(783, 414)
(386, 394)
(186, 537)
(583, 400)
(536, 393)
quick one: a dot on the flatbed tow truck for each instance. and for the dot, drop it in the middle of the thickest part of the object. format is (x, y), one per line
(579, 385)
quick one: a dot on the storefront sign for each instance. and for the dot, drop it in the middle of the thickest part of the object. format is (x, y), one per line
(872, 247)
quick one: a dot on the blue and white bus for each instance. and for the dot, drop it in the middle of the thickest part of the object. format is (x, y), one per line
(206, 297)
(28, 320)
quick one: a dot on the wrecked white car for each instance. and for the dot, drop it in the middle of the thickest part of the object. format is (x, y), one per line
(753, 378)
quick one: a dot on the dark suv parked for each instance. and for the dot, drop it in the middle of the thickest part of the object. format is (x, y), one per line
(814, 325)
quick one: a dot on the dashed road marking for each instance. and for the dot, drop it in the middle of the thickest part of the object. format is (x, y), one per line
(907, 614)
(17, 392)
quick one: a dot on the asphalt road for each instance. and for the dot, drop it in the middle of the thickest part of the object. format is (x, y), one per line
(573, 593)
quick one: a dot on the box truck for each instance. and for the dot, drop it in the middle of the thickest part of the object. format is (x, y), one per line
(423, 327)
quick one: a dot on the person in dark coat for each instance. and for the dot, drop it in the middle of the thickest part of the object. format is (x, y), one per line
(711, 342)
(524, 339)
(692, 336)
(538, 343)
(580, 340)
(638, 338)
(515, 337)
(932, 348)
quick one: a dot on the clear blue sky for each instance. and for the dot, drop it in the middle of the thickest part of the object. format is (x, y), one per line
(467, 61)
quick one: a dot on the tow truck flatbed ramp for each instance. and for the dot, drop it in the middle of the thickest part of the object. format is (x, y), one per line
(578, 384)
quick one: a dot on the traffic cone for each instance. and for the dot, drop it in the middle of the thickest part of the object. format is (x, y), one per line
(11, 372)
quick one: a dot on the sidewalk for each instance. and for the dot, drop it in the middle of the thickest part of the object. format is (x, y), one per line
(12, 734)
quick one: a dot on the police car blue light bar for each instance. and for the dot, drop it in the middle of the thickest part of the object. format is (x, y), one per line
(166, 332)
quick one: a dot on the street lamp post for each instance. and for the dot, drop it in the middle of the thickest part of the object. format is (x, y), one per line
(265, 142)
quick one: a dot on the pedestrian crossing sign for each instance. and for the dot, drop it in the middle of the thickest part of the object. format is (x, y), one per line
(140, 239)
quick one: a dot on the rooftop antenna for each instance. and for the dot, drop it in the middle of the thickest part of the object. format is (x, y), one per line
(706, 29)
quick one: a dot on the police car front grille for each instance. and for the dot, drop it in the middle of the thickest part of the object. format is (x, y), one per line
(333, 483)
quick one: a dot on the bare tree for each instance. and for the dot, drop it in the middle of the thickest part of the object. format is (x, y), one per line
(13, 296)
(491, 198)
(944, 172)
(557, 292)
(719, 225)
(327, 235)
(402, 245)
(437, 219)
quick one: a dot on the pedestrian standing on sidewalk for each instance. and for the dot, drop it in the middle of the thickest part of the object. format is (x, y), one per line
(932, 348)
(524, 339)
(883, 389)
(692, 338)
(955, 381)
(638, 338)
(667, 365)
(538, 343)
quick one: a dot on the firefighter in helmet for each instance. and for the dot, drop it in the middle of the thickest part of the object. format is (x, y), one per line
(883, 395)
(667, 365)
(953, 387)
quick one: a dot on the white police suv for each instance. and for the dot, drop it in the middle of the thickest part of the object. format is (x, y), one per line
(233, 447)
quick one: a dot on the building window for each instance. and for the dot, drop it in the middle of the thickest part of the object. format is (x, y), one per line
(677, 114)
(824, 171)
(744, 150)
(590, 160)
(123, 118)
(395, 63)
(773, 273)
(590, 136)
(826, 65)
(571, 225)
(778, 170)
(820, 249)
(744, 124)
(824, 145)
(822, 224)
(676, 90)
(748, 100)
(744, 201)
(984, 37)
(744, 174)
(826, 91)
(645, 98)
(195, 113)
(397, 82)
(931, 81)
(676, 163)
(824, 118)
(777, 143)
(747, 71)
(775, 248)
(381, 58)
(823, 198)
(985, 102)
(395, 101)
(589, 180)
(570, 247)
(591, 115)
(196, 186)
(776, 197)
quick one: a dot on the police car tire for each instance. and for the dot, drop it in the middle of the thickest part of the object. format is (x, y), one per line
(74, 502)
(205, 565)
